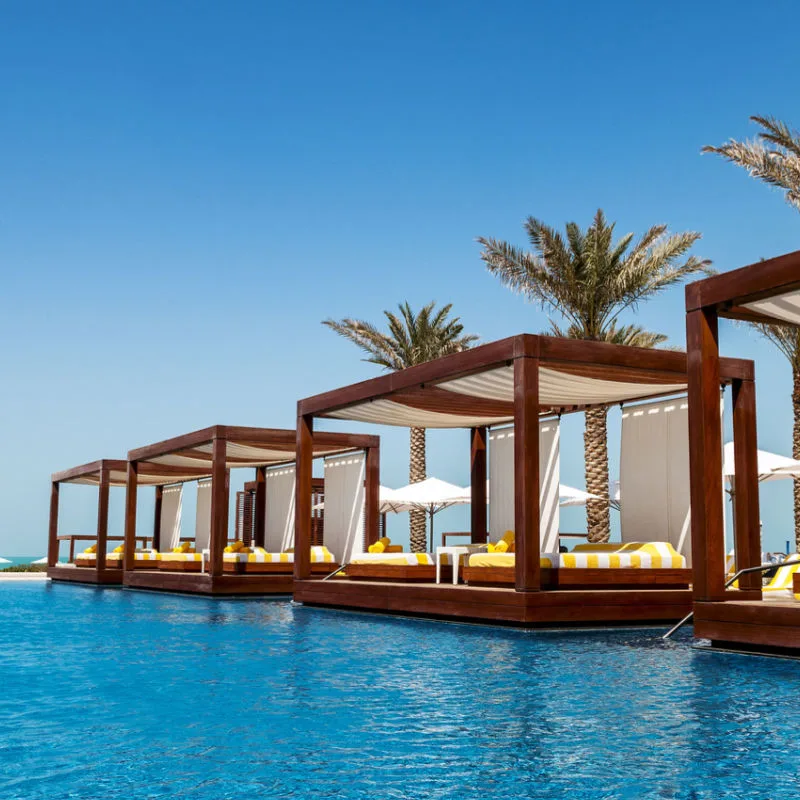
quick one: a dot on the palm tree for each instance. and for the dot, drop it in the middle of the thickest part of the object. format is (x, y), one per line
(412, 339)
(588, 279)
(775, 159)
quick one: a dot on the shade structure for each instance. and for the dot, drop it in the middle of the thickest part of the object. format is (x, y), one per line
(4, 561)
(771, 466)
(40, 561)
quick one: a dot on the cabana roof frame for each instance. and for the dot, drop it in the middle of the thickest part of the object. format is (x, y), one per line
(476, 387)
(191, 456)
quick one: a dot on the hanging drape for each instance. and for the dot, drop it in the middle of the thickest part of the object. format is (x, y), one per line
(279, 518)
(654, 474)
(171, 504)
(501, 483)
(202, 520)
(344, 505)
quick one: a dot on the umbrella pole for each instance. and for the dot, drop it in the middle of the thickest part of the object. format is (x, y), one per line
(431, 513)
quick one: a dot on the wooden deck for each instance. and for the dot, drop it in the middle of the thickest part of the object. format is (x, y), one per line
(72, 574)
(767, 625)
(499, 605)
(200, 583)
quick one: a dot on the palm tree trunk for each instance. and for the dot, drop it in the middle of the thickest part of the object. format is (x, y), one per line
(796, 449)
(417, 469)
(595, 443)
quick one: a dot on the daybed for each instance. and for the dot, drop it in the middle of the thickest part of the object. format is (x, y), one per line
(610, 565)
(258, 560)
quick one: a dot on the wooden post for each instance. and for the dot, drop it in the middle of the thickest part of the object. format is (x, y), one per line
(130, 515)
(372, 497)
(260, 521)
(302, 502)
(705, 455)
(478, 485)
(526, 474)
(102, 521)
(157, 518)
(745, 502)
(52, 533)
(219, 504)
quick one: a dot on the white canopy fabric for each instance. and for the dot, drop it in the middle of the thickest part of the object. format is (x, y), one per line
(385, 499)
(784, 307)
(654, 474)
(344, 505)
(38, 561)
(202, 518)
(279, 512)
(171, 505)
(502, 490)
(771, 466)
(556, 389)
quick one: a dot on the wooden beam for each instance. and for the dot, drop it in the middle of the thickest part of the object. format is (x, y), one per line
(478, 485)
(705, 456)
(157, 518)
(302, 502)
(219, 506)
(372, 499)
(102, 520)
(745, 499)
(52, 533)
(758, 281)
(130, 516)
(526, 474)
(91, 469)
(260, 522)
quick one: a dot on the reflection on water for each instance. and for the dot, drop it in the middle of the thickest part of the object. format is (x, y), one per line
(113, 694)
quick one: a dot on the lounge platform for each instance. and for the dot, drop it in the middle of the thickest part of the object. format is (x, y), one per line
(498, 605)
(210, 585)
(765, 626)
(69, 573)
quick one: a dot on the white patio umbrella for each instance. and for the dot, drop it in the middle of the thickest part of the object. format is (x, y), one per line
(40, 560)
(431, 495)
(4, 561)
(569, 496)
(771, 466)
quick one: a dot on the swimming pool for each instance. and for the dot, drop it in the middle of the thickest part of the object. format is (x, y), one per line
(117, 694)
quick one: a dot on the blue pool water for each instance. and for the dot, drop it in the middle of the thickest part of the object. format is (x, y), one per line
(112, 694)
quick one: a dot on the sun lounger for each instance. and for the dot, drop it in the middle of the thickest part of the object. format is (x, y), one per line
(257, 560)
(635, 564)
(780, 587)
(398, 567)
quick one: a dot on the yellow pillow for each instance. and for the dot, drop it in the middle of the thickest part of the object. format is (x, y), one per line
(91, 549)
(508, 538)
(183, 547)
(380, 545)
(120, 549)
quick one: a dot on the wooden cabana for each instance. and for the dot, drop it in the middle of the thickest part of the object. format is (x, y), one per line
(519, 380)
(211, 453)
(103, 474)
(765, 292)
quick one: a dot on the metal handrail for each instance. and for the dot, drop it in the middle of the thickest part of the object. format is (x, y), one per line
(335, 572)
(745, 571)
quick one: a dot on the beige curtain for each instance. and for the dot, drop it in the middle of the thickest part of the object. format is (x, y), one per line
(344, 505)
(279, 519)
(501, 483)
(654, 474)
(202, 520)
(171, 504)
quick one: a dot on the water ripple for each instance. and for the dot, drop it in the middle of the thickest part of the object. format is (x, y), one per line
(110, 694)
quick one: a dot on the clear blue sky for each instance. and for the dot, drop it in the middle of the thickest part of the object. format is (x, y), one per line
(187, 189)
